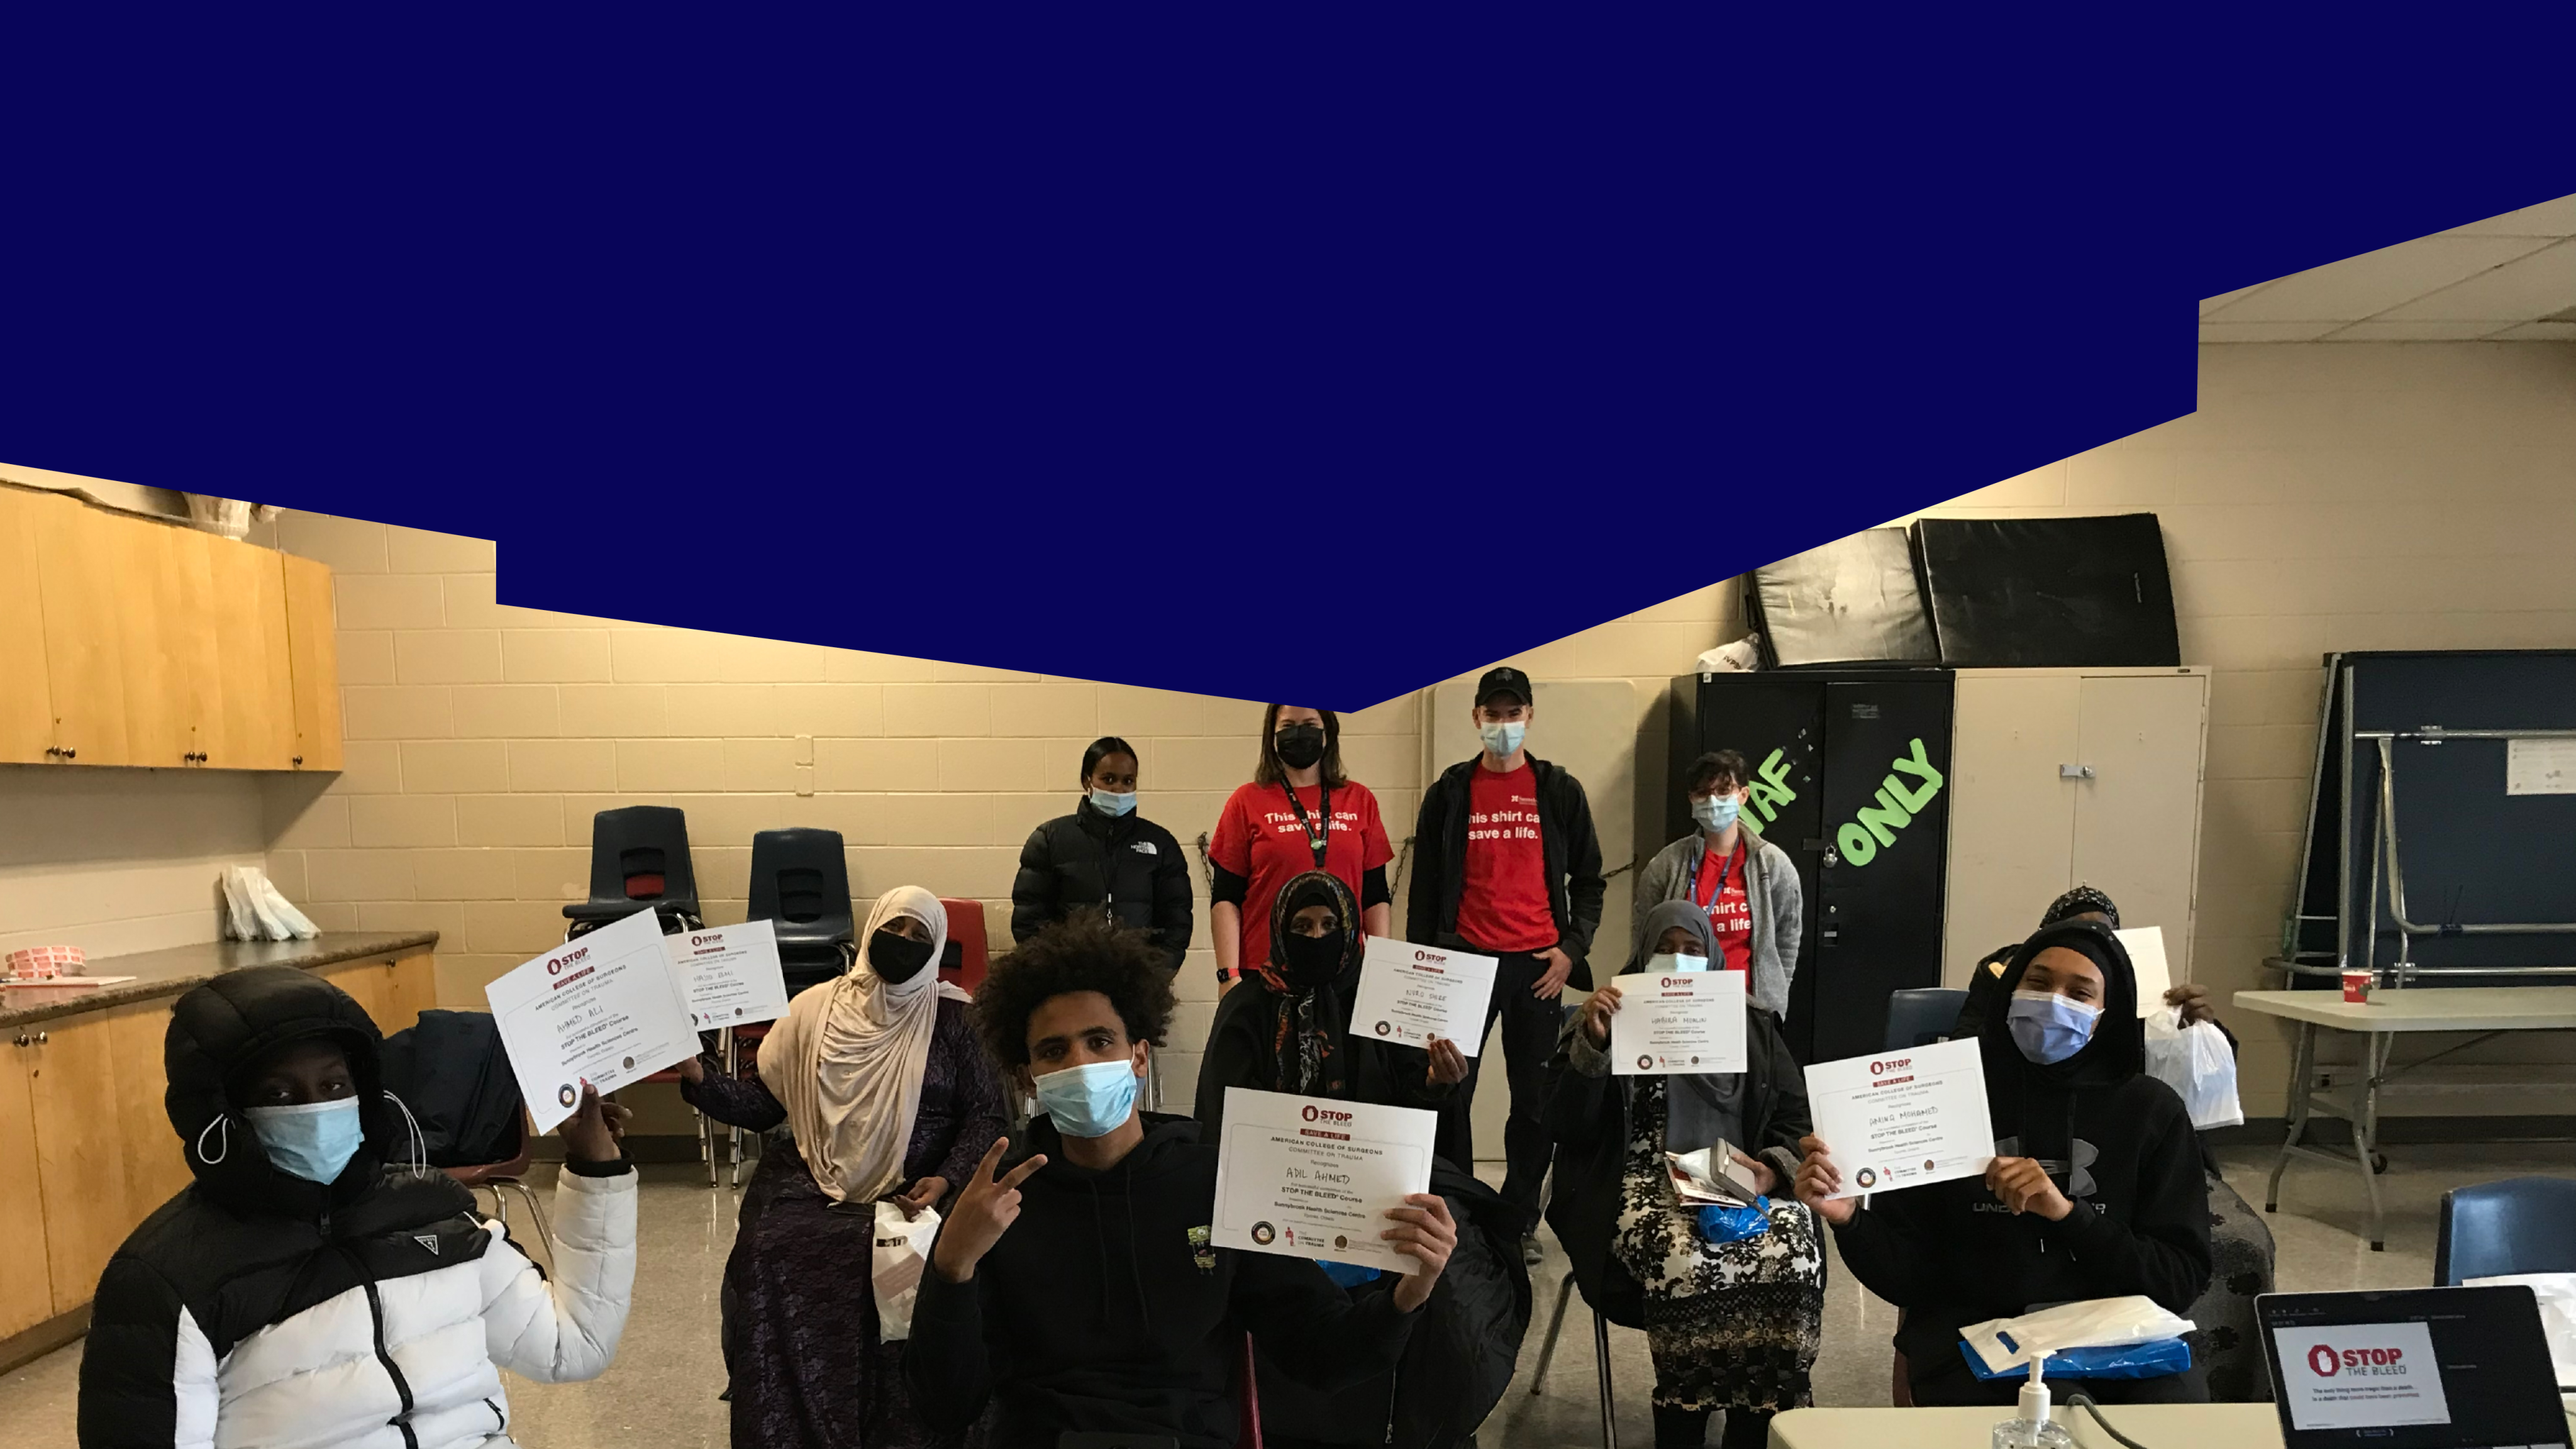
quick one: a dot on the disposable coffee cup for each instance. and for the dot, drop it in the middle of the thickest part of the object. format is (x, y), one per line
(2356, 986)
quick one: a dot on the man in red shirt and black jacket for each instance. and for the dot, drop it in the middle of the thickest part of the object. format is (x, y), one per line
(1506, 865)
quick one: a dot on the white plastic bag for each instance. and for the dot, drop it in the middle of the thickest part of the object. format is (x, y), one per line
(902, 1247)
(2093, 1323)
(2557, 1295)
(2196, 1062)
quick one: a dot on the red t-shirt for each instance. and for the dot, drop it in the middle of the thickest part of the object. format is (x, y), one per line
(1503, 905)
(1258, 837)
(1730, 915)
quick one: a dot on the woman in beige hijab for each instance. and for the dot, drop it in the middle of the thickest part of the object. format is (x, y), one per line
(890, 1099)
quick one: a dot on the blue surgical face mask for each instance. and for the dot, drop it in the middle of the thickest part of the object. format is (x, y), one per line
(2048, 1027)
(1716, 812)
(1112, 804)
(1667, 964)
(1501, 739)
(1091, 1100)
(312, 1140)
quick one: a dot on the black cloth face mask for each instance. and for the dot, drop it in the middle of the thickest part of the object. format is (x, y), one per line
(896, 958)
(1313, 960)
(1300, 746)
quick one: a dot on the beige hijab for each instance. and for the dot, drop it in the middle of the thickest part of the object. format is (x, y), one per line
(847, 1060)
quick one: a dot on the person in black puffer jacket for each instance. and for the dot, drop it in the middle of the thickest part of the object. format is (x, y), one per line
(1105, 856)
(305, 1291)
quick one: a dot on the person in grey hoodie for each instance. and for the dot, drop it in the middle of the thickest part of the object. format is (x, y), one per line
(1746, 884)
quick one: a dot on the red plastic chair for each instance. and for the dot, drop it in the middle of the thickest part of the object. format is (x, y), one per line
(966, 929)
(1250, 1429)
(510, 1174)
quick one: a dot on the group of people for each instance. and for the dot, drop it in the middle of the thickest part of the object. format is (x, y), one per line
(317, 1278)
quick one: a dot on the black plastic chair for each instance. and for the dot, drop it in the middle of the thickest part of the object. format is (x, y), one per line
(639, 861)
(1922, 1016)
(800, 884)
(1600, 1335)
(2519, 1225)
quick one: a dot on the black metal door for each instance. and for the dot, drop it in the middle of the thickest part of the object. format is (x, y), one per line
(1883, 833)
(1777, 722)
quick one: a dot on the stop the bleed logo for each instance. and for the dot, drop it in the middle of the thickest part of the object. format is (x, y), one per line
(1892, 1064)
(1327, 1115)
(2326, 1361)
(557, 965)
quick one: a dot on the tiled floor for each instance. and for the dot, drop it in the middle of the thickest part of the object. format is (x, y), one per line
(663, 1389)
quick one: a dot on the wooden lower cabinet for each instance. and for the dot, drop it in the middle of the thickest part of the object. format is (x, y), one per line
(26, 1290)
(87, 1151)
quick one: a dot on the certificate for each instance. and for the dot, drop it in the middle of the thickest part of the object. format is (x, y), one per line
(1692, 1022)
(1903, 1119)
(1410, 993)
(1308, 1178)
(600, 1009)
(729, 975)
(2146, 948)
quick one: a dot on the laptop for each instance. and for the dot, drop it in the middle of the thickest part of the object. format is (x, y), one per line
(2411, 1368)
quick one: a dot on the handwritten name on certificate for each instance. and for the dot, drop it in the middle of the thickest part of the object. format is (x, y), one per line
(1411, 993)
(1903, 1119)
(1688, 1023)
(729, 975)
(601, 1009)
(1307, 1178)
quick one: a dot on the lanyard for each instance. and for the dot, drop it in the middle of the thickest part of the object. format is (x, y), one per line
(1718, 891)
(1316, 840)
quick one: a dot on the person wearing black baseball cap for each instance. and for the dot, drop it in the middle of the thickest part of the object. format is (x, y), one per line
(1507, 866)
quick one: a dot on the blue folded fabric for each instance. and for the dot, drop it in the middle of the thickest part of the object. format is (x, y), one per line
(1732, 1225)
(2150, 1360)
(1349, 1275)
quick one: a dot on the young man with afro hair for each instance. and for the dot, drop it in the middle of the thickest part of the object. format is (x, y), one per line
(1073, 1287)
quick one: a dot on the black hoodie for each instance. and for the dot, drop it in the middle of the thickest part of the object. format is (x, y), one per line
(1951, 1254)
(1103, 1308)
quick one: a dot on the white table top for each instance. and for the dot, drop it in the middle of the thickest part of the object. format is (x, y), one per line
(2198, 1426)
(2201, 1426)
(2429, 1008)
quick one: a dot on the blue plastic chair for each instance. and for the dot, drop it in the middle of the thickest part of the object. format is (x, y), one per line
(2519, 1225)
(1922, 1016)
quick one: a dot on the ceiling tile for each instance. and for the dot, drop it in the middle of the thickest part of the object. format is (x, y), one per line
(2362, 286)
(2414, 331)
(2539, 332)
(2531, 286)
(2549, 218)
(2264, 331)
(2212, 304)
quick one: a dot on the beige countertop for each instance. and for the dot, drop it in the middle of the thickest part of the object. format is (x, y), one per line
(170, 972)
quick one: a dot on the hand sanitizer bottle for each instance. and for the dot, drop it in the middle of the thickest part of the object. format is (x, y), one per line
(2031, 1428)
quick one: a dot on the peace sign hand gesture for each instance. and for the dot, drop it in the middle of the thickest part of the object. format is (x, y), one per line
(987, 1207)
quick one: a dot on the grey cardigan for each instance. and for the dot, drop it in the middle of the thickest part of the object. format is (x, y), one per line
(1779, 908)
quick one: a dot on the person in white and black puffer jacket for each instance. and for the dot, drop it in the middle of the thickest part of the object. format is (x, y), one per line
(317, 1285)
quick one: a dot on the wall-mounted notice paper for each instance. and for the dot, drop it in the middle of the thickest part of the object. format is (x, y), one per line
(600, 1009)
(2540, 767)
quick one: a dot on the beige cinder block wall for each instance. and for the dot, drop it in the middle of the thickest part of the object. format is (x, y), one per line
(2333, 497)
(2351, 497)
(482, 738)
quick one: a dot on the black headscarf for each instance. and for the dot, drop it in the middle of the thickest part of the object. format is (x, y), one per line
(1987, 995)
(1300, 1047)
(2032, 1102)
(2083, 900)
(1704, 1108)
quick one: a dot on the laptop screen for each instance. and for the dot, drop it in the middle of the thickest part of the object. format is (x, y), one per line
(2418, 1368)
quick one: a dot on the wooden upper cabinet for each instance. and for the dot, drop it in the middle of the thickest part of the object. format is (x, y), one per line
(26, 700)
(80, 556)
(313, 655)
(131, 641)
(258, 731)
